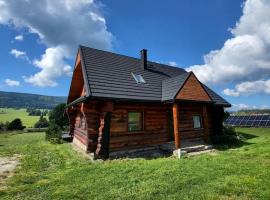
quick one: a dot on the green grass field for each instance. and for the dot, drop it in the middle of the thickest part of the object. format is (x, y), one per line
(9, 114)
(57, 172)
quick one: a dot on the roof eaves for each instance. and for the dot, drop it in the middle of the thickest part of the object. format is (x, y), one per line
(77, 101)
(85, 78)
(223, 104)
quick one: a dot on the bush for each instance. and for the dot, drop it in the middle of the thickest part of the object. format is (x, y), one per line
(54, 133)
(33, 130)
(58, 121)
(16, 124)
(33, 112)
(2, 126)
(228, 137)
(41, 123)
(58, 116)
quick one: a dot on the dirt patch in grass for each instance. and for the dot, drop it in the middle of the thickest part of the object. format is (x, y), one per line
(7, 168)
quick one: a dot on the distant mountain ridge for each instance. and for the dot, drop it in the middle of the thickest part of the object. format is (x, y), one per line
(26, 100)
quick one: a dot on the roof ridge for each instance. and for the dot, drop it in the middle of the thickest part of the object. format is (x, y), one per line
(175, 77)
(118, 54)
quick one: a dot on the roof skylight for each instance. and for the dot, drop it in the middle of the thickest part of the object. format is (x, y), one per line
(138, 78)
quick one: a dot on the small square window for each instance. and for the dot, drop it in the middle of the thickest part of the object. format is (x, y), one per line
(197, 122)
(138, 78)
(134, 121)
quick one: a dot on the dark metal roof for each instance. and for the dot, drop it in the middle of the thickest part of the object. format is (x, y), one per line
(109, 76)
(171, 86)
(216, 98)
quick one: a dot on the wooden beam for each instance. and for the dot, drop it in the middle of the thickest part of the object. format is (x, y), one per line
(205, 123)
(107, 106)
(102, 151)
(177, 141)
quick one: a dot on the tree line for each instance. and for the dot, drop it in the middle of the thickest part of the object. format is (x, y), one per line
(58, 121)
(25, 100)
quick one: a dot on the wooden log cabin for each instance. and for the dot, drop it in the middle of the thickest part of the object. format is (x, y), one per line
(118, 102)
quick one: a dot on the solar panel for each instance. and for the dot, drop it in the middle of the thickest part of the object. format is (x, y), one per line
(265, 117)
(256, 123)
(249, 123)
(237, 122)
(253, 120)
(259, 117)
(229, 119)
(263, 123)
(244, 121)
(252, 117)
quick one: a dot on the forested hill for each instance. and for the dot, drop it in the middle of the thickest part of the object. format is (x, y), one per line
(24, 100)
(252, 111)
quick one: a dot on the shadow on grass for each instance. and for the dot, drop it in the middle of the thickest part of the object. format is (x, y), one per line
(235, 143)
(247, 136)
(140, 153)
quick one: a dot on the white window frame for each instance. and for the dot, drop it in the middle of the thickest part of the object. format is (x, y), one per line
(138, 78)
(200, 120)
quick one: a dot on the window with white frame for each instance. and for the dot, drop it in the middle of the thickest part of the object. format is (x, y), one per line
(197, 122)
(138, 78)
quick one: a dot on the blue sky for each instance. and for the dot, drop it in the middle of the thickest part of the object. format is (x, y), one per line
(36, 37)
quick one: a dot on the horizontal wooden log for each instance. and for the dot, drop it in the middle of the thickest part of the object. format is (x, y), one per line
(81, 137)
(135, 144)
(145, 132)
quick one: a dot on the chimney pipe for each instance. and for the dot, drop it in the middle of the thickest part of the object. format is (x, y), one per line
(144, 59)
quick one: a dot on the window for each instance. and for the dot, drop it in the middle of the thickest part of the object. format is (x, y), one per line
(134, 121)
(138, 78)
(197, 121)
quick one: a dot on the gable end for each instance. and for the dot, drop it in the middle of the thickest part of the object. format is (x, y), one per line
(79, 84)
(193, 90)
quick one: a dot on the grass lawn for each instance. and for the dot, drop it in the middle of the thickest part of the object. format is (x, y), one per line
(57, 172)
(9, 114)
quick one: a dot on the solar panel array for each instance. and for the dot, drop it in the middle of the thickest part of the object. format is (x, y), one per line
(249, 120)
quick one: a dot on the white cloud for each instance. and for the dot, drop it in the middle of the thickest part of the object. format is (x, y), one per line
(244, 57)
(52, 66)
(12, 83)
(230, 92)
(19, 38)
(249, 87)
(62, 24)
(242, 106)
(65, 22)
(173, 63)
(19, 54)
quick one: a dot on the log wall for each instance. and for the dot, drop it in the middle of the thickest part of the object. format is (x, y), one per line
(186, 128)
(92, 113)
(155, 126)
(80, 131)
(86, 123)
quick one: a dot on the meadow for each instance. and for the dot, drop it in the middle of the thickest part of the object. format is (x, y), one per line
(9, 114)
(50, 171)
